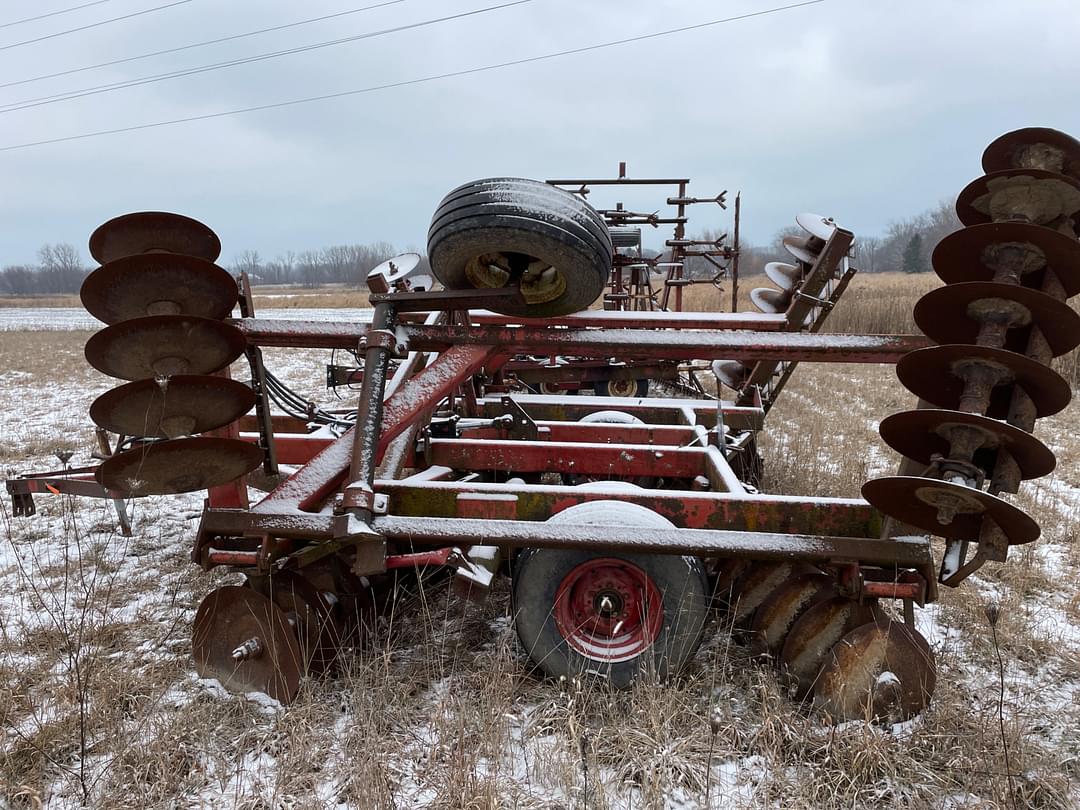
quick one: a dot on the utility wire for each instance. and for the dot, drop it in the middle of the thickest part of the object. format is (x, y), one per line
(262, 57)
(53, 13)
(410, 82)
(197, 44)
(93, 25)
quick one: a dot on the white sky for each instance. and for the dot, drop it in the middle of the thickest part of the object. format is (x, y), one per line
(866, 111)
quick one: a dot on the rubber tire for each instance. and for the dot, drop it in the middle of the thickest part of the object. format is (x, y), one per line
(641, 391)
(514, 215)
(538, 573)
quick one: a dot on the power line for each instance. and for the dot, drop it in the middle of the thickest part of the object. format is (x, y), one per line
(93, 25)
(53, 13)
(105, 88)
(410, 82)
(198, 44)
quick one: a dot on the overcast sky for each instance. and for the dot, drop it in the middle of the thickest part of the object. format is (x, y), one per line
(865, 111)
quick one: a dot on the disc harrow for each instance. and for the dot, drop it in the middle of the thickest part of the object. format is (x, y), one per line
(622, 519)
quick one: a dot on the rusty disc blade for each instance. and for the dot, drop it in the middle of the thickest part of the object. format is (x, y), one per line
(725, 578)
(178, 465)
(163, 346)
(813, 635)
(881, 671)
(319, 630)
(180, 406)
(153, 231)
(228, 620)
(920, 434)
(759, 582)
(916, 501)
(775, 616)
(962, 255)
(158, 284)
(1008, 151)
(951, 314)
(971, 203)
(934, 375)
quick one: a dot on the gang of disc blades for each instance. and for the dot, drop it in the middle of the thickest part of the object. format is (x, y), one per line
(158, 284)
(915, 500)
(1002, 152)
(932, 374)
(163, 346)
(178, 465)
(920, 434)
(151, 231)
(232, 617)
(1068, 188)
(180, 406)
(944, 316)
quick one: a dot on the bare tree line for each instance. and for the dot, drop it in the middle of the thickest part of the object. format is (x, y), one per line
(60, 268)
(905, 246)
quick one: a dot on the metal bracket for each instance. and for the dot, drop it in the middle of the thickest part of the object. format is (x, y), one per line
(524, 427)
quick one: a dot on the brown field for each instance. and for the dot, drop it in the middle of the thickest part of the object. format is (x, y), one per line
(99, 705)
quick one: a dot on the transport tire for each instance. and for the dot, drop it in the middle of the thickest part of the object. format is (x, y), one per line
(613, 615)
(622, 388)
(506, 232)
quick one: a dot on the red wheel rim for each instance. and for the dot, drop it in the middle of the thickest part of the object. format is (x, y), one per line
(608, 610)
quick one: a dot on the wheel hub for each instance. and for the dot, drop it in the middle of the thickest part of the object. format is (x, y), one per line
(608, 610)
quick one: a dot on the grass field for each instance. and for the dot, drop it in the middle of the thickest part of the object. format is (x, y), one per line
(100, 706)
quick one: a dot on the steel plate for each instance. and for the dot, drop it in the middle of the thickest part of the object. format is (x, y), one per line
(178, 465)
(164, 346)
(150, 231)
(181, 406)
(158, 284)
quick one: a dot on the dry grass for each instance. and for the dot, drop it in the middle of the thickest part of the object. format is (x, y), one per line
(20, 301)
(99, 706)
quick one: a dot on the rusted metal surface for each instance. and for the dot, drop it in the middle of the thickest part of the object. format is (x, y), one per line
(153, 232)
(314, 482)
(244, 640)
(701, 344)
(158, 284)
(672, 345)
(179, 406)
(713, 510)
(162, 346)
(645, 319)
(652, 410)
(880, 671)
(611, 460)
(178, 465)
(762, 545)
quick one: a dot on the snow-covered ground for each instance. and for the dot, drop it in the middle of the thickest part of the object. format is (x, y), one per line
(68, 319)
